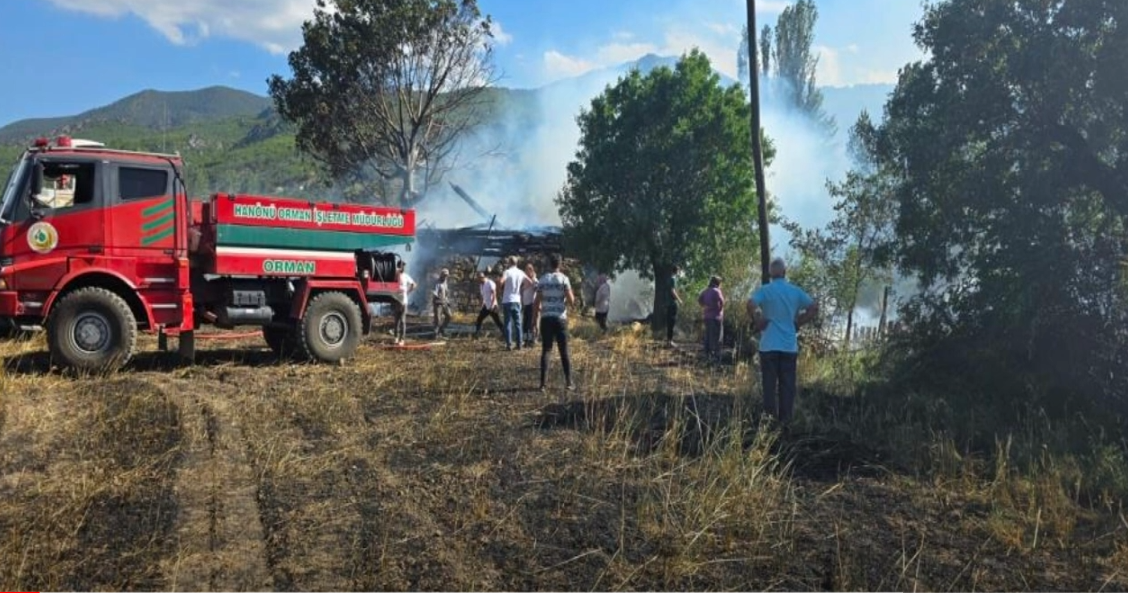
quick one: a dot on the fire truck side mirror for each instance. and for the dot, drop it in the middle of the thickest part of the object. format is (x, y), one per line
(36, 181)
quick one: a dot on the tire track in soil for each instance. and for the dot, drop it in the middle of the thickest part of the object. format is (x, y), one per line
(219, 537)
(308, 524)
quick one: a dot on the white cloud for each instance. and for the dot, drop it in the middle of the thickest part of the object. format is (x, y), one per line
(617, 53)
(723, 28)
(721, 49)
(272, 24)
(878, 77)
(558, 65)
(771, 6)
(829, 69)
(677, 39)
(500, 36)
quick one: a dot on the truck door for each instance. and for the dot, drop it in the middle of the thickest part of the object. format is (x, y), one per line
(66, 219)
(146, 230)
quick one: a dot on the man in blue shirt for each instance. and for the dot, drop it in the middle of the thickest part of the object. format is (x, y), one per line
(777, 310)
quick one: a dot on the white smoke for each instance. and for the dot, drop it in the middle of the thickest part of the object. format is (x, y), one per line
(515, 167)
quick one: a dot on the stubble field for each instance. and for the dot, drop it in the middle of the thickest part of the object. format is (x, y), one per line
(445, 468)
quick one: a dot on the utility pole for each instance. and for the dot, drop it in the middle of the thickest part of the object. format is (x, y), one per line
(757, 148)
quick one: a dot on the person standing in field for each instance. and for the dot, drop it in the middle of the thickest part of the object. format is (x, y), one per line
(406, 286)
(488, 292)
(712, 302)
(440, 303)
(602, 301)
(672, 306)
(528, 295)
(553, 297)
(513, 281)
(777, 310)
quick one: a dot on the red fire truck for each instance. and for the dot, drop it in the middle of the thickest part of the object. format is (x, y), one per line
(97, 245)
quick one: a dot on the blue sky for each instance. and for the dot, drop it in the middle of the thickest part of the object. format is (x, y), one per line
(61, 57)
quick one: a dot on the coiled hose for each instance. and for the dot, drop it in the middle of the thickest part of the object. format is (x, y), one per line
(381, 266)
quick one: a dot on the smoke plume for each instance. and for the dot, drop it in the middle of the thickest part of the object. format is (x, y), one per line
(515, 166)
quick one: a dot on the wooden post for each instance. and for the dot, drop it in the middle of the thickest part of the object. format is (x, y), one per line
(884, 307)
(757, 148)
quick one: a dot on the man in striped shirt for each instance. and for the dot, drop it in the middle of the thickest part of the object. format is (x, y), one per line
(553, 297)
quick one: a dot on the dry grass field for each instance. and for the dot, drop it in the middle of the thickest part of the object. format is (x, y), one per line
(447, 469)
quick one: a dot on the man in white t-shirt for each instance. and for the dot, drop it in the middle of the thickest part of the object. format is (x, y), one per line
(554, 295)
(488, 291)
(406, 286)
(512, 282)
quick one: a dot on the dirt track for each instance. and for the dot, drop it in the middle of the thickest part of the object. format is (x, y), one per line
(438, 469)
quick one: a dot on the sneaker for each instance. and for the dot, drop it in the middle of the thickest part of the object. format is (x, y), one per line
(543, 388)
(570, 387)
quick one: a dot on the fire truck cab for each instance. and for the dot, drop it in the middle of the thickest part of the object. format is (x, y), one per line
(97, 244)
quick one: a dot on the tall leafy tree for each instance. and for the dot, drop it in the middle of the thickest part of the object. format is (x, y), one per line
(662, 174)
(764, 55)
(765, 50)
(384, 89)
(1010, 147)
(796, 63)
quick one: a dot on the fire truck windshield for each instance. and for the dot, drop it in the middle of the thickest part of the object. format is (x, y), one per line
(15, 181)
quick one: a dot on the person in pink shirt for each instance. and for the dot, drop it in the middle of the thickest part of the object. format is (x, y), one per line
(712, 302)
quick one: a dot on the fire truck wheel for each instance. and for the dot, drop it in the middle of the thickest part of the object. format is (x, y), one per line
(330, 330)
(92, 329)
(281, 340)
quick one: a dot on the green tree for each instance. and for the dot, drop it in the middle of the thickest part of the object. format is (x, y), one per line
(662, 175)
(742, 69)
(796, 64)
(1010, 149)
(764, 55)
(765, 50)
(387, 87)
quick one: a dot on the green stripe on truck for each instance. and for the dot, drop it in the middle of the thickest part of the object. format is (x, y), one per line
(157, 223)
(156, 209)
(150, 239)
(231, 235)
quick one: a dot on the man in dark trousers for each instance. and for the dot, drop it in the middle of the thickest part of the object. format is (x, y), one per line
(777, 310)
(553, 297)
(440, 303)
(672, 307)
(712, 302)
(488, 290)
(529, 325)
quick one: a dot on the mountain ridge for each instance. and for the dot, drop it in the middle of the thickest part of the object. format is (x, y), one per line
(161, 110)
(234, 141)
(149, 108)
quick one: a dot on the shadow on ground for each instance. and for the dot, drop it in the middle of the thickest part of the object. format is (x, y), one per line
(697, 421)
(39, 363)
